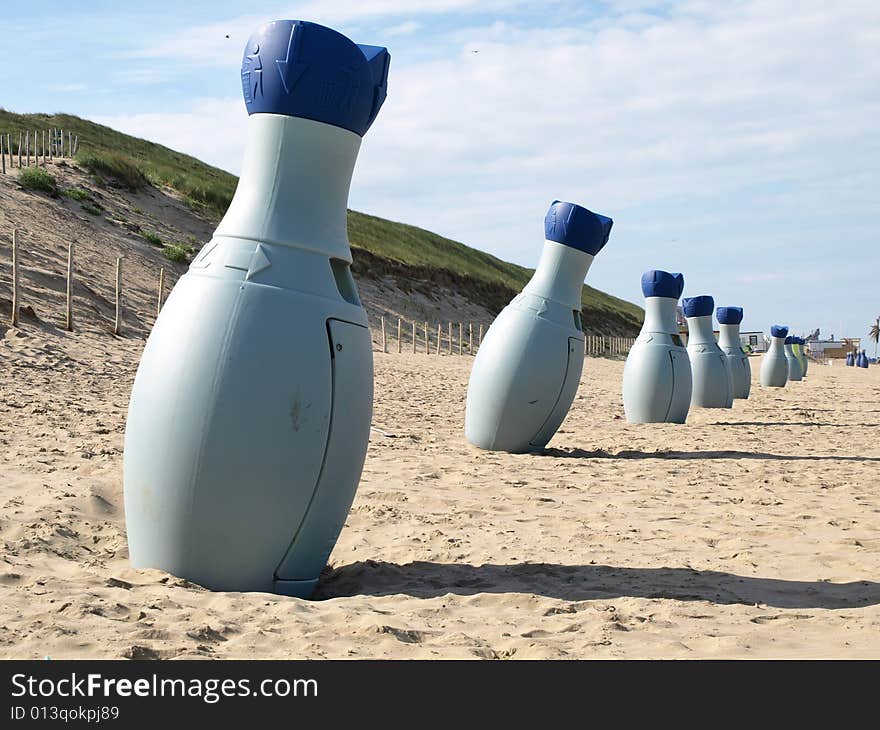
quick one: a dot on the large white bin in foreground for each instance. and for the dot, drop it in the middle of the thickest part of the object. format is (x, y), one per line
(527, 369)
(250, 413)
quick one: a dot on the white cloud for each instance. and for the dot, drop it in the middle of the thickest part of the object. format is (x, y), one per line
(743, 131)
(213, 130)
(407, 28)
(207, 45)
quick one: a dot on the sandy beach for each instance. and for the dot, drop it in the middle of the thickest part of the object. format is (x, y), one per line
(745, 533)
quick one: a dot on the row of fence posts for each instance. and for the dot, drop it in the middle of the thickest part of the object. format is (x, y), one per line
(601, 345)
(39, 149)
(420, 340)
(420, 332)
(68, 309)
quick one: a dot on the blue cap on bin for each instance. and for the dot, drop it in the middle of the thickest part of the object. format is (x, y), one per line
(302, 69)
(729, 315)
(698, 306)
(575, 226)
(779, 330)
(656, 283)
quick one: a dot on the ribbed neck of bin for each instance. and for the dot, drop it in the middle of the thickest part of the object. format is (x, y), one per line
(560, 274)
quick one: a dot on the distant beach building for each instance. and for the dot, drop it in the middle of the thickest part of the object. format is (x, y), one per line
(753, 341)
(834, 349)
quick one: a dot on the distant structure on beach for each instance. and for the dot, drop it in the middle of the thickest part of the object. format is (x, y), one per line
(753, 341)
(834, 349)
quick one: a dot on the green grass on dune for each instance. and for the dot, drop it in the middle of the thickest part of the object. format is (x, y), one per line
(133, 163)
(417, 247)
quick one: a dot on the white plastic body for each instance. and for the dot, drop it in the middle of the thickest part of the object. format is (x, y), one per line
(801, 355)
(740, 370)
(657, 381)
(527, 370)
(250, 413)
(712, 386)
(774, 365)
(795, 370)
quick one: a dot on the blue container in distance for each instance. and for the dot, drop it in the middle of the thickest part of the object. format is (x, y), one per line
(250, 413)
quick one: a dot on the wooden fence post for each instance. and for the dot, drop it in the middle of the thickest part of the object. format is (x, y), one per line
(75, 145)
(384, 342)
(43, 138)
(161, 290)
(14, 278)
(450, 338)
(118, 323)
(460, 336)
(439, 336)
(68, 319)
(414, 337)
(2, 156)
(27, 148)
(470, 338)
(69, 144)
(19, 148)
(398, 336)
(427, 341)
(480, 339)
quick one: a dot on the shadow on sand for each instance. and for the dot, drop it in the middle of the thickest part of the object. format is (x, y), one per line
(687, 455)
(589, 582)
(794, 423)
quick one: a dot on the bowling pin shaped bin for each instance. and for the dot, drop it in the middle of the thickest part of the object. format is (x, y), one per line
(657, 375)
(795, 371)
(802, 354)
(774, 365)
(729, 319)
(528, 367)
(712, 387)
(250, 413)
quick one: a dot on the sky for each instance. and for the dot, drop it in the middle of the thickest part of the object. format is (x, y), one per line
(737, 142)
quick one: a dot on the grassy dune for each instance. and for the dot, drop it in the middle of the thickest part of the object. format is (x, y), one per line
(135, 163)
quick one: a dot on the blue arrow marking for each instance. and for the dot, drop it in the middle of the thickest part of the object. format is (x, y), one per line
(290, 68)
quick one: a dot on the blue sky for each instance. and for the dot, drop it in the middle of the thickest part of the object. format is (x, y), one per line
(736, 142)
